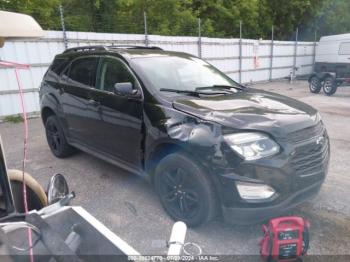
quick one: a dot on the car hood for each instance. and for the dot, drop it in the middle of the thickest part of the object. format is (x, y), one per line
(251, 109)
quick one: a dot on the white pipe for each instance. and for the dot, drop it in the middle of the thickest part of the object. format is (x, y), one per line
(177, 239)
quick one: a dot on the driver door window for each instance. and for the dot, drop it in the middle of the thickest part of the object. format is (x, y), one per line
(113, 71)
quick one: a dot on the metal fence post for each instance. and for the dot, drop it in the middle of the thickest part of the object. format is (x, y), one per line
(145, 24)
(314, 54)
(199, 38)
(240, 51)
(271, 54)
(65, 41)
(295, 54)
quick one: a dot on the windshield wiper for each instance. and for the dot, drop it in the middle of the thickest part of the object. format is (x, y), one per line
(192, 93)
(226, 87)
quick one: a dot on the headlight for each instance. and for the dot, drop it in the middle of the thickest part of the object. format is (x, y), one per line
(253, 191)
(252, 146)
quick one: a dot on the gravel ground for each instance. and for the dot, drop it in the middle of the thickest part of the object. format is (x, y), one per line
(127, 204)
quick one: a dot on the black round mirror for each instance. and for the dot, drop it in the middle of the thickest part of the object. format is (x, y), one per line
(57, 189)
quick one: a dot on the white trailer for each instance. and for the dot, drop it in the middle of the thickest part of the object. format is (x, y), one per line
(332, 64)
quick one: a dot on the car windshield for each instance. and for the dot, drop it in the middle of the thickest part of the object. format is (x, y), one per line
(182, 73)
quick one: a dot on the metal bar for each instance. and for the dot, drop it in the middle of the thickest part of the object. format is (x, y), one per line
(204, 58)
(65, 41)
(240, 51)
(306, 65)
(40, 64)
(250, 57)
(271, 54)
(75, 40)
(15, 91)
(199, 38)
(257, 69)
(146, 32)
(285, 44)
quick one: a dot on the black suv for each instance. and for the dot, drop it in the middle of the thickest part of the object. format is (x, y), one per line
(209, 145)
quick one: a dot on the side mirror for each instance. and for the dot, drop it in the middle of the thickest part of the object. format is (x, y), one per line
(57, 189)
(125, 89)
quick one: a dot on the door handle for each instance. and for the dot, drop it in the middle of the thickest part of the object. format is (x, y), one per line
(93, 102)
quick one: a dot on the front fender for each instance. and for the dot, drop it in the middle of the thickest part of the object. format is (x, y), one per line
(176, 130)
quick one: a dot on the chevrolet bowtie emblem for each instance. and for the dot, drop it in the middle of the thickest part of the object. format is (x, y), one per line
(320, 140)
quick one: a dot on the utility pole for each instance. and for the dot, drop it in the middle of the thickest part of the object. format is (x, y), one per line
(65, 42)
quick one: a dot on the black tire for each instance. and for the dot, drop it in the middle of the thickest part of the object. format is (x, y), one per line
(56, 138)
(315, 85)
(329, 86)
(185, 191)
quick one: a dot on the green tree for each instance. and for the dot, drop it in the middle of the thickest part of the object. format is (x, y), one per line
(333, 17)
(224, 16)
(219, 18)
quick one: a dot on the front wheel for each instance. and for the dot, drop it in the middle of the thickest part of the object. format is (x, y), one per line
(56, 138)
(315, 85)
(329, 86)
(185, 191)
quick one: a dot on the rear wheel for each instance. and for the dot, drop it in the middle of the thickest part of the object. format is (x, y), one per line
(315, 85)
(185, 191)
(329, 86)
(56, 138)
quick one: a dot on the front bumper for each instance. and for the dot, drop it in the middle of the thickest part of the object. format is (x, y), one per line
(296, 174)
(251, 215)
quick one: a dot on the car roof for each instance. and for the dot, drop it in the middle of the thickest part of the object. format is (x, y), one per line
(128, 52)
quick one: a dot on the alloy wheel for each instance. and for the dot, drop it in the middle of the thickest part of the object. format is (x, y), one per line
(53, 136)
(179, 193)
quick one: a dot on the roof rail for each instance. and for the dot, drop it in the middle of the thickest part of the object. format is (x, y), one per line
(133, 47)
(85, 48)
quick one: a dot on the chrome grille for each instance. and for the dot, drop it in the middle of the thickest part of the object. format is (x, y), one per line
(306, 133)
(310, 158)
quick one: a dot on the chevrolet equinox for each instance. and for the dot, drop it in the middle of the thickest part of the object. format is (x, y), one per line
(209, 145)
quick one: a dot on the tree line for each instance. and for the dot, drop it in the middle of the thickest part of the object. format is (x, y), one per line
(219, 18)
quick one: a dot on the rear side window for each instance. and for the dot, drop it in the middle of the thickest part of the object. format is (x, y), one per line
(344, 48)
(58, 65)
(83, 71)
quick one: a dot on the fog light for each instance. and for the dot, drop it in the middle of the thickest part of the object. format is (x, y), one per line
(253, 191)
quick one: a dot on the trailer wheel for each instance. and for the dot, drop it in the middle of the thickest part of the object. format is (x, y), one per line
(329, 86)
(315, 85)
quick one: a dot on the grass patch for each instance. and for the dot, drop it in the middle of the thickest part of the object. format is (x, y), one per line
(14, 119)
